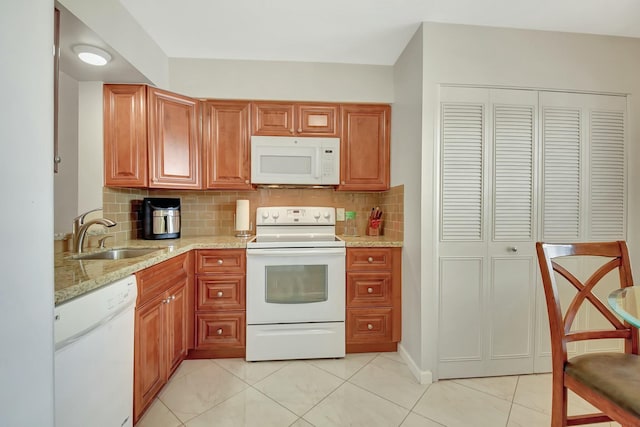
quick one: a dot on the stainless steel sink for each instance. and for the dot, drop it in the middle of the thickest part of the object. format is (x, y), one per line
(119, 253)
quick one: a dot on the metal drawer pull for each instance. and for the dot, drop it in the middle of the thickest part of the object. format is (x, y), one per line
(369, 326)
(219, 331)
(220, 262)
(513, 249)
(369, 290)
(220, 294)
(172, 297)
(370, 259)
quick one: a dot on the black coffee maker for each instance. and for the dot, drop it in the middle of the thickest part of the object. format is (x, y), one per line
(160, 218)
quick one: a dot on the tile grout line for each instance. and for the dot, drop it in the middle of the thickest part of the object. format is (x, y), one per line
(344, 381)
(513, 396)
(484, 392)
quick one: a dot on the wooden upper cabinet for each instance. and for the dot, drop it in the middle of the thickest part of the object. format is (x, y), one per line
(273, 118)
(125, 136)
(295, 119)
(174, 143)
(318, 120)
(364, 148)
(225, 145)
(151, 138)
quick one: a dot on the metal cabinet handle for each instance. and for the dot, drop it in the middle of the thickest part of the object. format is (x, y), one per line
(220, 294)
(246, 181)
(220, 262)
(513, 249)
(369, 326)
(219, 331)
(172, 297)
(370, 259)
(369, 290)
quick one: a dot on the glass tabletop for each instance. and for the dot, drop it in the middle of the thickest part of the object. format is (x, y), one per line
(626, 303)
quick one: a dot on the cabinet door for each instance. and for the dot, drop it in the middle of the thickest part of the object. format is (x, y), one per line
(273, 118)
(125, 136)
(364, 148)
(150, 372)
(177, 320)
(317, 119)
(226, 147)
(174, 144)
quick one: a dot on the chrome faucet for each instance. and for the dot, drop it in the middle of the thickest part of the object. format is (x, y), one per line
(80, 228)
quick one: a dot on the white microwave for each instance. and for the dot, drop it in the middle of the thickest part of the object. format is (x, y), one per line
(295, 160)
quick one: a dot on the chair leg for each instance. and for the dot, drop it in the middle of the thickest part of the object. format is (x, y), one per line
(559, 403)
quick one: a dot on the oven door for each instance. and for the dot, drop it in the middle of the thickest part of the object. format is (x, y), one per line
(295, 285)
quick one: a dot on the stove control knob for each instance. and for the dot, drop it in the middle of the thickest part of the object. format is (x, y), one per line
(316, 215)
(265, 214)
(275, 215)
(327, 215)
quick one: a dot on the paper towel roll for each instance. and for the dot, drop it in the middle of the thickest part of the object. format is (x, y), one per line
(242, 215)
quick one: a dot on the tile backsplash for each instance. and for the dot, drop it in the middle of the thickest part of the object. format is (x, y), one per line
(211, 213)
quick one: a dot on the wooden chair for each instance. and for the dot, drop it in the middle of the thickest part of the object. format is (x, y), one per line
(609, 381)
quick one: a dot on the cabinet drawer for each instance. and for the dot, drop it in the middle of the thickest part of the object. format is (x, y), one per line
(220, 261)
(369, 289)
(155, 280)
(369, 258)
(220, 329)
(369, 325)
(221, 292)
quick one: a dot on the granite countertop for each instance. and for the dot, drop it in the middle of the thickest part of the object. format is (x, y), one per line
(75, 277)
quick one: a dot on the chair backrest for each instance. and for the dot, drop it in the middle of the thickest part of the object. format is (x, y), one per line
(617, 258)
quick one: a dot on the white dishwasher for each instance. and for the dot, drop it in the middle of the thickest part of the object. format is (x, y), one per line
(94, 357)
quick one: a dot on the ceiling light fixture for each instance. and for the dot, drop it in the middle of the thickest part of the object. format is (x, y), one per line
(92, 55)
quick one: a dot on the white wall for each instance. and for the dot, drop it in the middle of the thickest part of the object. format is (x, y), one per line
(211, 78)
(90, 146)
(65, 188)
(459, 54)
(406, 149)
(26, 185)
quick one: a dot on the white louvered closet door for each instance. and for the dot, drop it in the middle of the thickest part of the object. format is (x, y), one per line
(486, 257)
(583, 196)
(511, 247)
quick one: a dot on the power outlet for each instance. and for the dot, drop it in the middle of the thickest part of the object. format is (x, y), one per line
(339, 214)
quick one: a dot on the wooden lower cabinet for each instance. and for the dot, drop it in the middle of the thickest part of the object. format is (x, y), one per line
(163, 327)
(220, 316)
(373, 321)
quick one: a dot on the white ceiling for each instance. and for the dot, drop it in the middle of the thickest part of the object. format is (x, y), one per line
(354, 31)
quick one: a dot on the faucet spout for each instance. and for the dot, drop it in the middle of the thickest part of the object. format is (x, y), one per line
(84, 227)
(79, 222)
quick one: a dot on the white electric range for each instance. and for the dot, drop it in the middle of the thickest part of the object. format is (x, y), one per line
(295, 285)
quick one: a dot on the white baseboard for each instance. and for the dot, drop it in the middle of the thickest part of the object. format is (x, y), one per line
(423, 377)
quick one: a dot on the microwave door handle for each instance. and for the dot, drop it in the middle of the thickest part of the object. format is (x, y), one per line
(318, 163)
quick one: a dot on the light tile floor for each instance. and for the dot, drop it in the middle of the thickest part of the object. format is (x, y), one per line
(368, 390)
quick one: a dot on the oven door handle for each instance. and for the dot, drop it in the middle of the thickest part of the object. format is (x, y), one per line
(296, 251)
